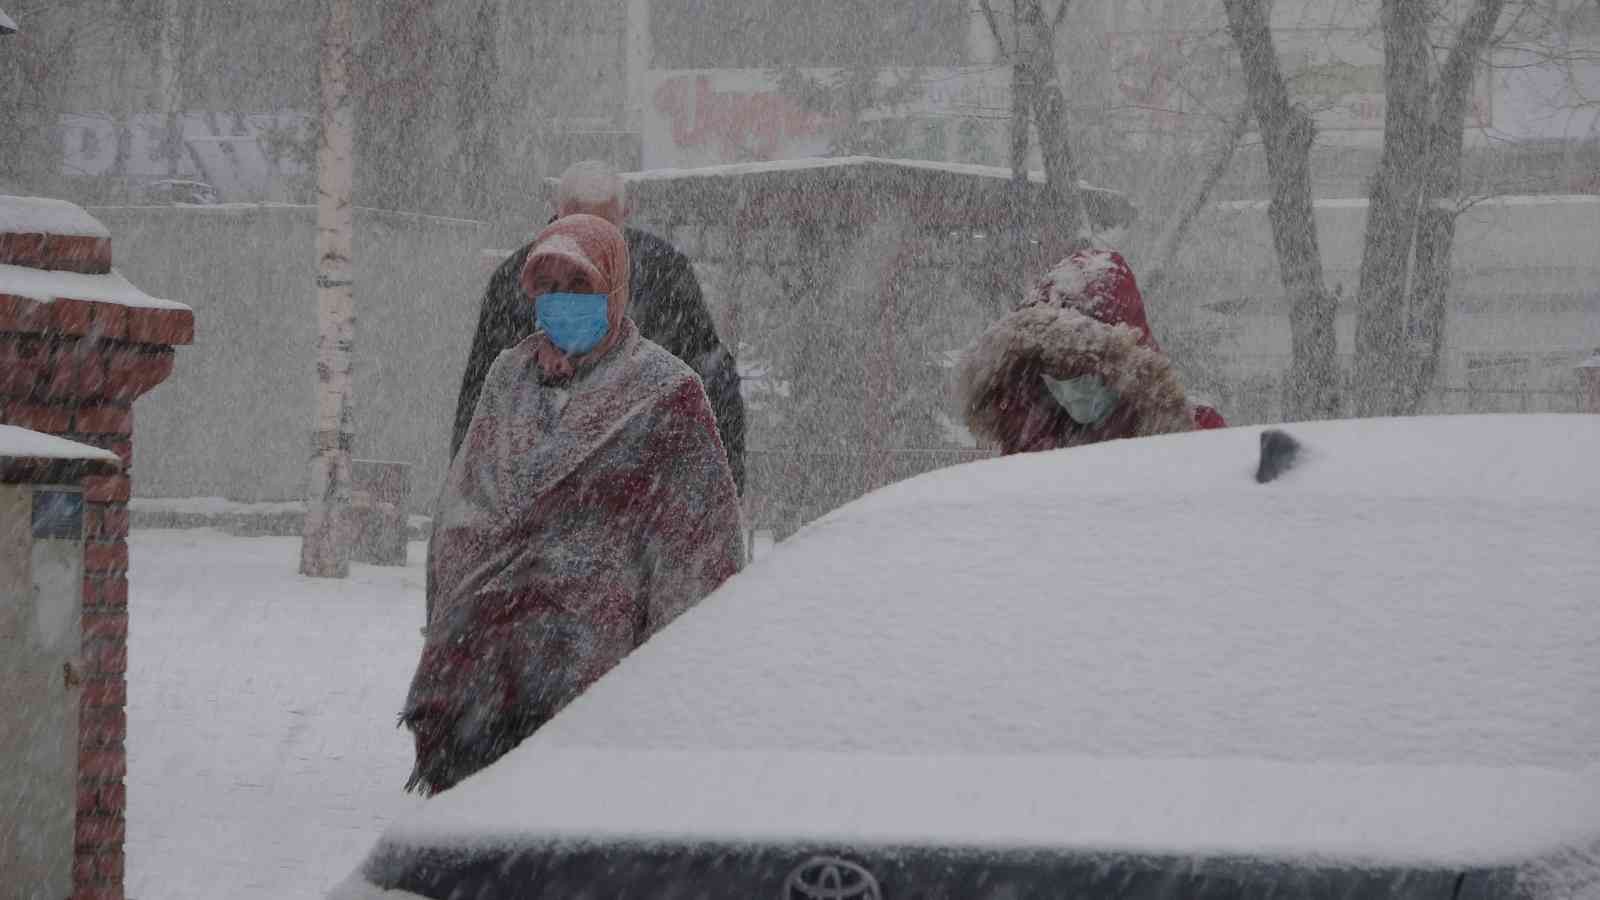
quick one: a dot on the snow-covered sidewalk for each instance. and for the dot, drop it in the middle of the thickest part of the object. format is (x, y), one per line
(263, 758)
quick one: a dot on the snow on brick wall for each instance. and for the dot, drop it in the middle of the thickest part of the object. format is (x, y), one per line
(51, 235)
(40, 215)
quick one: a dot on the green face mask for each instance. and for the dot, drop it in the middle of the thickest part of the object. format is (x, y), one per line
(1085, 398)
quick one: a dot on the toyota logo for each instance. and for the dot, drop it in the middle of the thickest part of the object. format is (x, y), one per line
(827, 878)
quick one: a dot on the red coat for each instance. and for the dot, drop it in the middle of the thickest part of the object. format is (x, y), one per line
(1101, 285)
(1085, 317)
(1206, 417)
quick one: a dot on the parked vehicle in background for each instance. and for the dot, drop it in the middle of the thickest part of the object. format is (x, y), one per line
(1142, 669)
(179, 191)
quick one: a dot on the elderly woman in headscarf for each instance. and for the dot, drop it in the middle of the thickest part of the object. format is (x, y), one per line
(1076, 363)
(590, 504)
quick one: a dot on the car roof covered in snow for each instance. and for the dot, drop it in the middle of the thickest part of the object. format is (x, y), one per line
(1391, 652)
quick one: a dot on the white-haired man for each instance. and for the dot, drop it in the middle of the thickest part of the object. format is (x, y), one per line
(667, 306)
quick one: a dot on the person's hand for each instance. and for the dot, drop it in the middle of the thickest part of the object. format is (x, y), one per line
(552, 362)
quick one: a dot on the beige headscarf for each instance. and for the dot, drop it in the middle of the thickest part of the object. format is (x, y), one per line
(590, 242)
(599, 249)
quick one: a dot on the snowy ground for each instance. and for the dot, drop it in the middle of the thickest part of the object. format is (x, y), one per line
(263, 758)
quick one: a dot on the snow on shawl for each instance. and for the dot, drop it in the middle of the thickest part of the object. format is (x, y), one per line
(578, 518)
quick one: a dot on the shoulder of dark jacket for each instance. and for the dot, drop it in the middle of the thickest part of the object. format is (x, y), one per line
(511, 266)
(645, 245)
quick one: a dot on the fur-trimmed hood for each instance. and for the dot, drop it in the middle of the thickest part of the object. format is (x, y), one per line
(1100, 284)
(1004, 397)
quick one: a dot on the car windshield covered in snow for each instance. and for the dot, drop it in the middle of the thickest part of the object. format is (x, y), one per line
(1128, 670)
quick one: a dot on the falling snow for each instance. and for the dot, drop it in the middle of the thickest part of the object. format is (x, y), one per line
(1377, 657)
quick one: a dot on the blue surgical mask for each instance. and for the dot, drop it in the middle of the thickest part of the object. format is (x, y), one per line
(1086, 398)
(576, 323)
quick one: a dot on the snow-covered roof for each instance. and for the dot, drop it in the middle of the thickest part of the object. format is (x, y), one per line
(21, 443)
(812, 163)
(46, 286)
(1536, 200)
(42, 215)
(963, 190)
(1387, 653)
(751, 168)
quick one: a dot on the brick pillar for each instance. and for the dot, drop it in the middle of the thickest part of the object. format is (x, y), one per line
(75, 353)
(103, 715)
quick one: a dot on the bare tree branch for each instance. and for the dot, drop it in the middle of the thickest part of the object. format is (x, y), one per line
(1174, 236)
(994, 24)
(1511, 27)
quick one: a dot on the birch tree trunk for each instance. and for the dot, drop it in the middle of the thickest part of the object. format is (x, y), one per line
(1287, 133)
(324, 550)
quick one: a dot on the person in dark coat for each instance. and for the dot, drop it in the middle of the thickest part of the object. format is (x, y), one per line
(667, 307)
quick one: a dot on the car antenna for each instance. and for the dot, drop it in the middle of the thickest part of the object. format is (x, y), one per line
(1279, 452)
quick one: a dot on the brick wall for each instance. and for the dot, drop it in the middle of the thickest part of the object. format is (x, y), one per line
(74, 368)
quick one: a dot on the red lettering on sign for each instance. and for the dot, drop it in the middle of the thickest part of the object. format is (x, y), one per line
(742, 123)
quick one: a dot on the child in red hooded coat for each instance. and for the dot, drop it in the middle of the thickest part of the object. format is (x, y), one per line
(1076, 364)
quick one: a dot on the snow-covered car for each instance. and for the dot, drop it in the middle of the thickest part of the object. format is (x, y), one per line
(1131, 670)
